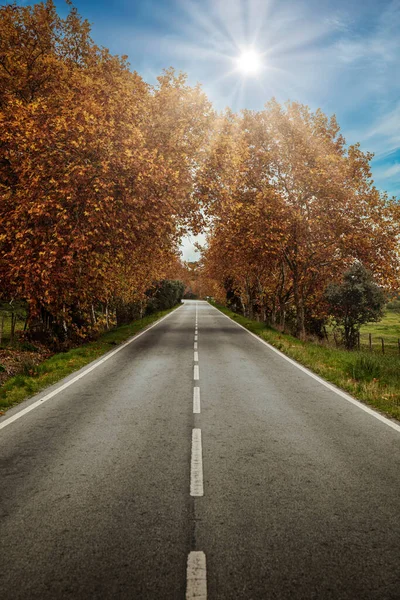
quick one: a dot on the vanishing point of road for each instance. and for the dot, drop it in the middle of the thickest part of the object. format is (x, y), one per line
(196, 462)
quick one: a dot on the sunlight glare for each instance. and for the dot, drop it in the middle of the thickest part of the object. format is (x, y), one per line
(249, 62)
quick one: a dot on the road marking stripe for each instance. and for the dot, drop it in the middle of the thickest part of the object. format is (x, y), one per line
(328, 385)
(64, 386)
(196, 400)
(195, 345)
(196, 338)
(196, 576)
(196, 465)
(196, 374)
(196, 356)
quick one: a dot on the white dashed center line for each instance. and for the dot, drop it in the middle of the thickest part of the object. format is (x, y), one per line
(196, 400)
(196, 576)
(196, 466)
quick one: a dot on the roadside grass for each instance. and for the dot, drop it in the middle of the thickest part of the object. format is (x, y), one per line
(35, 378)
(370, 377)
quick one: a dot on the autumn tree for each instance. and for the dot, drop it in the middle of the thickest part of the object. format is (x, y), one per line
(291, 207)
(95, 168)
(246, 217)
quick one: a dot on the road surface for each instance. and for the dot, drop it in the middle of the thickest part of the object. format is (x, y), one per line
(198, 465)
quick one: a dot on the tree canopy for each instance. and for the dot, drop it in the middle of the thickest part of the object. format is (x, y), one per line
(95, 166)
(101, 174)
(291, 207)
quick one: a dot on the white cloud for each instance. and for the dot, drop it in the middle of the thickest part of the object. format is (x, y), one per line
(187, 248)
(383, 135)
(393, 170)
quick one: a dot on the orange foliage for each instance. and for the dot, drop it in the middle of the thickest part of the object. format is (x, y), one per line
(95, 165)
(101, 174)
(290, 208)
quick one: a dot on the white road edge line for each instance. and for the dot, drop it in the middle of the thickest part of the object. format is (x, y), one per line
(196, 374)
(64, 386)
(328, 385)
(196, 400)
(196, 576)
(196, 465)
(196, 356)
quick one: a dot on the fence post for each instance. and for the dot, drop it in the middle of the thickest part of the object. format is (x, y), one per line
(383, 346)
(370, 341)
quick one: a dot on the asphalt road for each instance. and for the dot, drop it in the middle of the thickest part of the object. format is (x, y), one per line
(163, 473)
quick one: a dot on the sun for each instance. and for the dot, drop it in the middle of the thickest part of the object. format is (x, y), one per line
(249, 62)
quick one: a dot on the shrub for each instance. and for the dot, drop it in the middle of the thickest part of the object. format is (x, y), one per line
(394, 305)
(357, 300)
(167, 294)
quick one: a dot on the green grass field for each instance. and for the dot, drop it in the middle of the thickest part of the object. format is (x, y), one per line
(5, 338)
(373, 378)
(35, 378)
(388, 329)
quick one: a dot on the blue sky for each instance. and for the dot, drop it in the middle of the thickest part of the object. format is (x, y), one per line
(341, 56)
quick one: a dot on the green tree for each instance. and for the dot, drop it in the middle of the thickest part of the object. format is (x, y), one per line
(165, 294)
(357, 300)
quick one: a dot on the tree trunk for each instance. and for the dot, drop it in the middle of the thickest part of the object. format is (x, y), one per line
(107, 317)
(13, 323)
(1, 327)
(26, 322)
(282, 314)
(274, 312)
(283, 319)
(264, 313)
(93, 316)
(64, 323)
(299, 304)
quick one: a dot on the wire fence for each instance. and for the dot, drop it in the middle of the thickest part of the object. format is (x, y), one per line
(369, 342)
